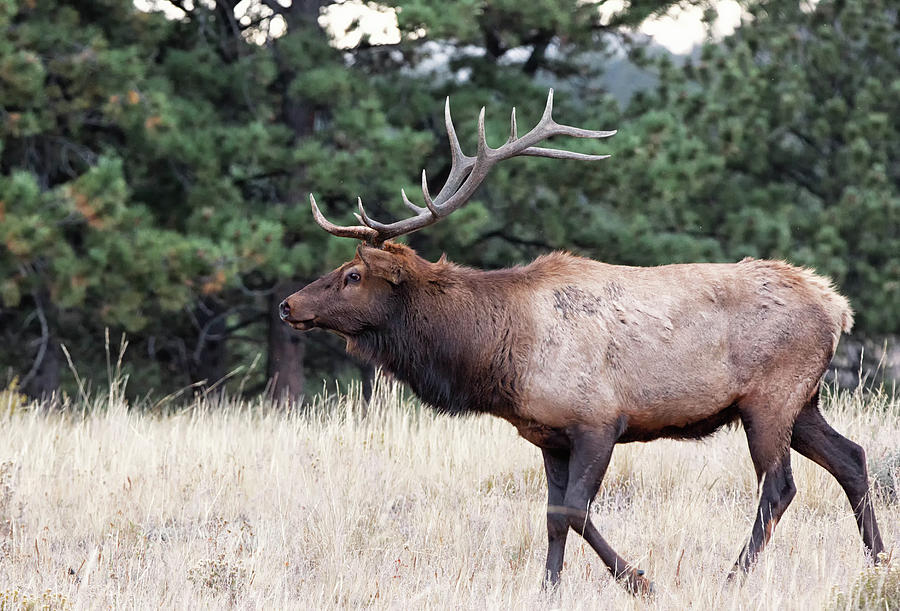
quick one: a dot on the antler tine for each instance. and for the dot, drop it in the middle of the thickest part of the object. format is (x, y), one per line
(548, 109)
(410, 205)
(366, 220)
(537, 151)
(483, 149)
(428, 201)
(456, 153)
(557, 129)
(577, 132)
(513, 131)
(460, 163)
(367, 234)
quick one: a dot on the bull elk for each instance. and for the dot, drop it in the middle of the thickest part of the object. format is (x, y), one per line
(580, 355)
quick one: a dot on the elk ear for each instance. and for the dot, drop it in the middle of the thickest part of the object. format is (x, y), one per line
(382, 263)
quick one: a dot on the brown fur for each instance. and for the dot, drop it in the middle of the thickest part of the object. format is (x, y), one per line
(580, 355)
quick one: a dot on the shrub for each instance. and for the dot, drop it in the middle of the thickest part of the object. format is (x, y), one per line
(876, 587)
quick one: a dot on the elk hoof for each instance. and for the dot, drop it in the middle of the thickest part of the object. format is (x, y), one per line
(550, 584)
(736, 575)
(637, 584)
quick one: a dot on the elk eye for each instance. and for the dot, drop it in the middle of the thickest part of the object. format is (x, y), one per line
(353, 277)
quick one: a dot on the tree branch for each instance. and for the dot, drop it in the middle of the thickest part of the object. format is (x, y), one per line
(45, 340)
(205, 331)
(498, 233)
(492, 44)
(540, 43)
(275, 6)
(179, 4)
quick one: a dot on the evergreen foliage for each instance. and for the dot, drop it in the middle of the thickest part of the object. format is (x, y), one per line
(154, 170)
(784, 142)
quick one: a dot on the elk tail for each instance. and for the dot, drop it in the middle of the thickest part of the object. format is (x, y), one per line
(838, 306)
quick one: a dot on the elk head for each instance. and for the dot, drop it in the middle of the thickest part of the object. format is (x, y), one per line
(358, 294)
(354, 297)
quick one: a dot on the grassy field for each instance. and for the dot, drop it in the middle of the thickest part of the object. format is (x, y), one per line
(220, 504)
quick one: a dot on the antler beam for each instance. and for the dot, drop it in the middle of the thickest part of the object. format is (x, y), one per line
(466, 175)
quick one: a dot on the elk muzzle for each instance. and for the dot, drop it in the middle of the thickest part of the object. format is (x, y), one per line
(299, 322)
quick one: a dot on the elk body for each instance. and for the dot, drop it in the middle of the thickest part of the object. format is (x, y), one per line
(580, 355)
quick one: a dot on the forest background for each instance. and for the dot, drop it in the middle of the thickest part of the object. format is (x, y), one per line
(155, 162)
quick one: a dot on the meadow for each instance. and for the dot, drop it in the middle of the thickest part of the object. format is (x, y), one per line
(220, 503)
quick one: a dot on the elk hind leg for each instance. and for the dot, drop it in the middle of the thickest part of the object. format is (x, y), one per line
(777, 492)
(846, 461)
(767, 426)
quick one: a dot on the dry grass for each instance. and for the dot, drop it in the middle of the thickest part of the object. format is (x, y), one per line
(241, 504)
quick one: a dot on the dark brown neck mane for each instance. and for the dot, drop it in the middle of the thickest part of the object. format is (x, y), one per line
(454, 339)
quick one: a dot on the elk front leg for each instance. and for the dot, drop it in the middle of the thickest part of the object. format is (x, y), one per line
(556, 465)
(589, 458)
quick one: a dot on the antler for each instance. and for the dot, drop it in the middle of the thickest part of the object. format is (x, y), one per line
(466, 175)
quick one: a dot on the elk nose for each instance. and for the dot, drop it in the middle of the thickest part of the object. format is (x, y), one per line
(284, 309)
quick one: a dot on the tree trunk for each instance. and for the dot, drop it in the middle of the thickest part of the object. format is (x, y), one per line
(45, 381)
(286, 348)
(209, 360)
